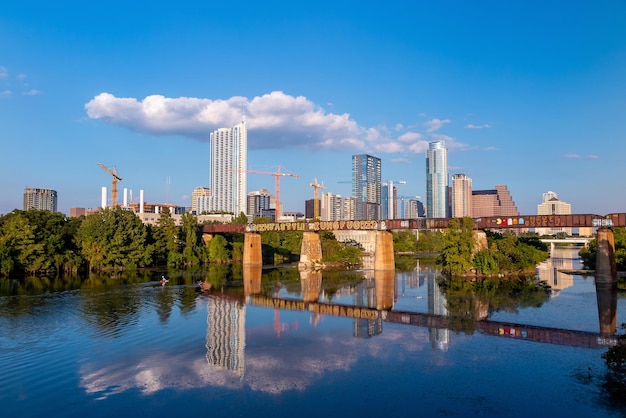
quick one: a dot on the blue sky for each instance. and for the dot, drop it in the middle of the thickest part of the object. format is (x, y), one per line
(529, 94)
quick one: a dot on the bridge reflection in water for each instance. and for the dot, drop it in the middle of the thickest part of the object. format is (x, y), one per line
(376, 303)
(374, 299)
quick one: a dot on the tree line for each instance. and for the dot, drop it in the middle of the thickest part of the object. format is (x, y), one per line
(40, 241)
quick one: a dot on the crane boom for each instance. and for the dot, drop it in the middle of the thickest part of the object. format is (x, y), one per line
(316, 186)
(277, 175)
(114, 181)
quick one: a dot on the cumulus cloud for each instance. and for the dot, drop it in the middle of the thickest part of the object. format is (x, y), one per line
(277, 120)
(483, 126)
(435, 124)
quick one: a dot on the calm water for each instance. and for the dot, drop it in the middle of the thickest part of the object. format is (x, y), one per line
(106, 349)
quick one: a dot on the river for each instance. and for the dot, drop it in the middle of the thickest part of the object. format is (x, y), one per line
(276, 344)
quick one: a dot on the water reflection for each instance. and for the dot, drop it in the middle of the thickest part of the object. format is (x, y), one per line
(226, 334)
(554, 270)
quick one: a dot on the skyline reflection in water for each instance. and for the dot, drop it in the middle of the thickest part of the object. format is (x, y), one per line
(302, 341)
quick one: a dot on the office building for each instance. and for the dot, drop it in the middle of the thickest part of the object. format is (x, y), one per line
(437, 180)
(366, 186)
(389, 201)
(551, 205)
(493, 202)
(197, 193)
(40, 199)
(461, 196)
(228, 165)
(412, 208)
(258, 203)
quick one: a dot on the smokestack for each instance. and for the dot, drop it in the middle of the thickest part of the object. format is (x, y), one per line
(125, 197)
(141, 201)
(103, 198)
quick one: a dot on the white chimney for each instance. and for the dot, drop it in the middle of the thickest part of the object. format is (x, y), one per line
(125, 197)
(141, 201)
(103, 198)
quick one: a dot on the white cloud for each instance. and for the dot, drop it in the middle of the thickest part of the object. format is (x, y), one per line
(6, 93)
(21, 76)
(410, 137)
(483, 126)
(580, 157)
(275, 120)
(435, 124)
(4, 73)
(31, 92)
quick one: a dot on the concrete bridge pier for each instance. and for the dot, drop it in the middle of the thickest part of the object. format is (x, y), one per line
(384, 258)
(606, 270)
(252, 254)
(606, 281)
(310, 251)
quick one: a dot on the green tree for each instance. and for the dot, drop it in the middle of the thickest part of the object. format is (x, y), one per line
(218, 251)
(114, 238)
(166, 239)
(458, 246)
(404, 242)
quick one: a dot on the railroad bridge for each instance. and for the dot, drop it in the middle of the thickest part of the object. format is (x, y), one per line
(311, 252)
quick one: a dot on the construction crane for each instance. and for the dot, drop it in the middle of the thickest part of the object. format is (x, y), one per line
(114, 181)
(316, 207)
(277, 175)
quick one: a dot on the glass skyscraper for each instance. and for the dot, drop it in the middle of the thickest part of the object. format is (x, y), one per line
(228, 165)
(366, 186)
(437, 180)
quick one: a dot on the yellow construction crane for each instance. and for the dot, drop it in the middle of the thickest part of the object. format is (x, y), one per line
(277, 175)
(316, 206)
(116, 178)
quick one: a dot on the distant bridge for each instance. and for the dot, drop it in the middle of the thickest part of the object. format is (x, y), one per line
(491, 222)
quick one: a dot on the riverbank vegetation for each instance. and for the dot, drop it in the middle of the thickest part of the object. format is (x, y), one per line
(41, 242)
(501, 254)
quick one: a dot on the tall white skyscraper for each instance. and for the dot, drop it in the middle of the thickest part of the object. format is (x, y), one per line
(228, 164)
(437, 180)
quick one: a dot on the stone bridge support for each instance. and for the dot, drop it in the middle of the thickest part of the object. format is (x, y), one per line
(252, 254)
(606, 281)
(310, 251)
(384, 258)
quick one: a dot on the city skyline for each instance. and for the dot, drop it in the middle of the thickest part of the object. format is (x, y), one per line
(530, 95)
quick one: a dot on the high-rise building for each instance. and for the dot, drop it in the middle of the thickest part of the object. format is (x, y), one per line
(493, 202)
(228, 165)
(337, 208)
(195, 195)
(437, 180)
(461, 196)
(258, 203)
(412, 209)
(40, 199)
(551, 205)
(366, 186)
(389, 201)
